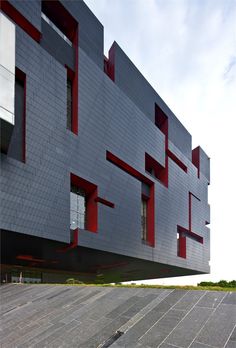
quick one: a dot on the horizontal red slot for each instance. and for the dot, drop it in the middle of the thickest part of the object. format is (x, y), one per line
(105, 202)
(177, 160)
(128, 169)
(190, 233)
(29, 258)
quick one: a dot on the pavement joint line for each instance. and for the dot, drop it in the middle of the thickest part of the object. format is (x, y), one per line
(163, 316)
(173, 345)
(229, 336)
(195, 339)
(134, 320)
(205, 344)
(17, 307)
(183, 317)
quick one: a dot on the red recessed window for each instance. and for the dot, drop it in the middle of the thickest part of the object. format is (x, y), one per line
(148, 215)
(56, 15)
(181, 244)
(72, 100)
(144, 234)
(161, 120)
(156, 169)
(196, 159)
(109, 63)
(83, 204)
(148, 207)
(63, 22)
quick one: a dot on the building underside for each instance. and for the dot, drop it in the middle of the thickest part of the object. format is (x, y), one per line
(54, 261)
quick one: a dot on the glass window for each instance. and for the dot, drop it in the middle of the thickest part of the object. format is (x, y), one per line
(77, 208)
(178, 243)
(7, 68)
(7, 44)
(144, 219)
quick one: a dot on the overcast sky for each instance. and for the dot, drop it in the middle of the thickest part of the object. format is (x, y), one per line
(187, 51)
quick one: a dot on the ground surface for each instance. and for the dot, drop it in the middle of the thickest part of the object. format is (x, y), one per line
(86, 317)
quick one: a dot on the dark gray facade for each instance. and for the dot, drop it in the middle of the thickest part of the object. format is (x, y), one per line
(116, 114)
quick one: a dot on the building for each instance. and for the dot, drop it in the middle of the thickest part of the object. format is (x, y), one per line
(98, 176)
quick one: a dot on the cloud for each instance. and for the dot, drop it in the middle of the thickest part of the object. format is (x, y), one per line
(230, 71)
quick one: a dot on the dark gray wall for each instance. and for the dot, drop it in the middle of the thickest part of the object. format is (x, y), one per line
(16, 148)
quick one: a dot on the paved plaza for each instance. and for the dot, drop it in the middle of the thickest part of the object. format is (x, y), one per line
(89, 317)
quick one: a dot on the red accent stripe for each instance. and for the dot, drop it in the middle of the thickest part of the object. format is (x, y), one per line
(111, 63)
(166, 173)
(189, 211)
(75, 238)
(20, 20)
(29, 258)
(162, 122)
(182, 246)
(196, 236)
(190, 233)
(127, 168)
(151, 217)
(105, 202)
(73, 244)
(177, 160)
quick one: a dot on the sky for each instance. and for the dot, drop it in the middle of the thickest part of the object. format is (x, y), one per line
(186, 49)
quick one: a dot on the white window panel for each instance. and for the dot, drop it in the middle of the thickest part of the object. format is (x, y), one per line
(7, 43)
(7, 92)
